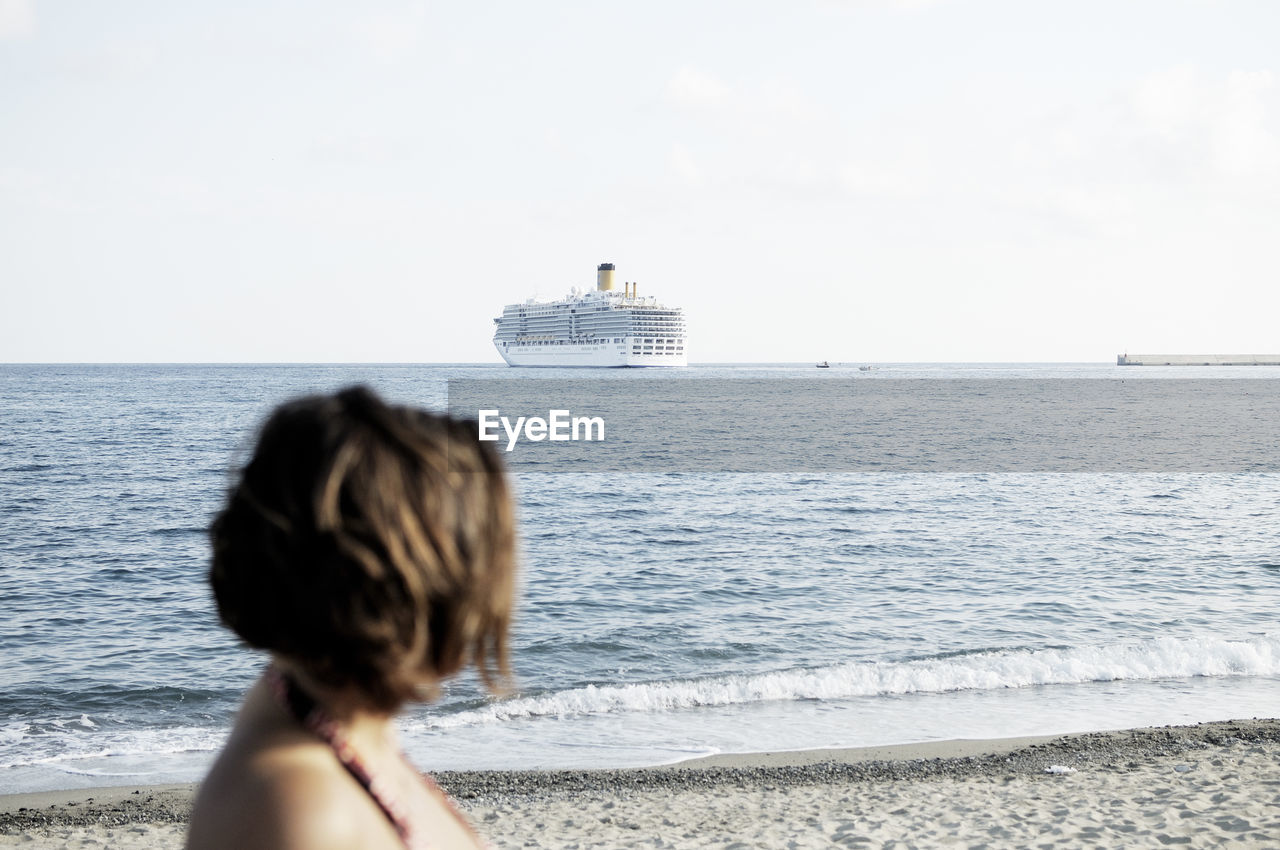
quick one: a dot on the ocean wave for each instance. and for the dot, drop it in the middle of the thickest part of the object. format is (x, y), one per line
(30, 745)
(1161, 658)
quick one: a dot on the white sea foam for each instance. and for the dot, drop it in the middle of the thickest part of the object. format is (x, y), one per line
(77, 771)
(1162, 658)
(13, 733)
(46, 749)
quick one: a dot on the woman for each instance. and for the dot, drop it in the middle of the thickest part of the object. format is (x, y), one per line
(370, 550)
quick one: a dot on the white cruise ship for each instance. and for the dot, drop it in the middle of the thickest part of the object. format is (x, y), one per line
(598, 327)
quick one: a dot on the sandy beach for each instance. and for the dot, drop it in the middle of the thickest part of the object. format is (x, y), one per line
(1211, 785)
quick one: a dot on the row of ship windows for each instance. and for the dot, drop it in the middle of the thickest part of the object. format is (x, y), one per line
(636, 349)
(647, 349)
(559, 327)
(589, 308)
(593, 316)
(648, 343)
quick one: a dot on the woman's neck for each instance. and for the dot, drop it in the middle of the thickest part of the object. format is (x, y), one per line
(371, 732)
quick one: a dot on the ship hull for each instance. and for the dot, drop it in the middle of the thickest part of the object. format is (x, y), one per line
(598, 356)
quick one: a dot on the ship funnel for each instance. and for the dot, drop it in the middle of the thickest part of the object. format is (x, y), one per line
(604, 277)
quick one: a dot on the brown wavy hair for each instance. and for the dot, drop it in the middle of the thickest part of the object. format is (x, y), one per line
(371, 544)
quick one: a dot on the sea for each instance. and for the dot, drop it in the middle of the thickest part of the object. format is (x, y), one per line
(664, 613)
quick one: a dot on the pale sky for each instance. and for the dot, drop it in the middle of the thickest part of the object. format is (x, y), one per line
(844, 180)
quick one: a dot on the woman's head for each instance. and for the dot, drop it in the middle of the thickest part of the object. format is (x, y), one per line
(371, 545)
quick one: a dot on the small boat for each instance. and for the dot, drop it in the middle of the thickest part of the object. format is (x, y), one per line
(823, 365)
(864, 368)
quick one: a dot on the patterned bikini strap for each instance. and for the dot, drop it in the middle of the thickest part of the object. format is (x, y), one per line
(311, 716)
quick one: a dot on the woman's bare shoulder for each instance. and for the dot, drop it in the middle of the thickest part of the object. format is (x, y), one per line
(285, 798)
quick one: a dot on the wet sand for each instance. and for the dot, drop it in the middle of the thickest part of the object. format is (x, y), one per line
(1210, 785)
